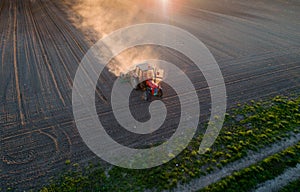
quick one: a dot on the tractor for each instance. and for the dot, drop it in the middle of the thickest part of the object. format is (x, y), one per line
(146, 78)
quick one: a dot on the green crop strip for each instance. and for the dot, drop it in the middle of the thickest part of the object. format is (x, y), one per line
(267, 169)
(291, 187)
(248, 127)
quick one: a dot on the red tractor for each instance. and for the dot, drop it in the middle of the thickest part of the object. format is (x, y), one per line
(146, 78)
(151, 89)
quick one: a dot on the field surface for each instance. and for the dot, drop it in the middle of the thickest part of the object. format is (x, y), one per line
(256, 44)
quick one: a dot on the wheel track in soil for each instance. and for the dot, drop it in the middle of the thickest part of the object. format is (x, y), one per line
(4, 38)
(22, 118)
(31, 132)
(70, 37)
(45, 58)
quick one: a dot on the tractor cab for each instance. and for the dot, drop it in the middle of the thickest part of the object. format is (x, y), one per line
(146, 78)
(145, 72)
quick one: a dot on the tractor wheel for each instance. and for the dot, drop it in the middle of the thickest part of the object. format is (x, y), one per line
(146, 96)
(160, 93)
(142, 85)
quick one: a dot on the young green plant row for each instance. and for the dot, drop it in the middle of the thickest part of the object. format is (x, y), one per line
(268, 169)
(249, 127)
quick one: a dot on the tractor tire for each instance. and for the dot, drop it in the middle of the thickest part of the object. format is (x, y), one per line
(160, 93)
(142, 85)
(146, 96)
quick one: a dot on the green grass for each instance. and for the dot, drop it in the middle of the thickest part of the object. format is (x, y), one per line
(291, 187)
(248, 127)
(269, 168)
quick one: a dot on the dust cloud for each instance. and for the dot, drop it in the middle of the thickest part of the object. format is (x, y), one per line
(98, 18)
